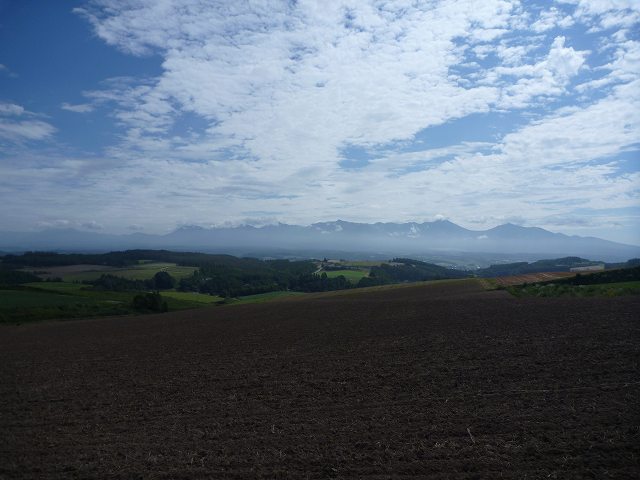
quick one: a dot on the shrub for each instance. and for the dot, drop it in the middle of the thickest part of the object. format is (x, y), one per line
(150, 301)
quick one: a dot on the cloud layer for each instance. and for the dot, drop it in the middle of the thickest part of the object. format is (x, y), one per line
(259, 105)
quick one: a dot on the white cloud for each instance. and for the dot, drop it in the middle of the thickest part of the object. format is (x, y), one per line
(91, 225)
(77, 108)
(604, 14)
(18, 130)
(278, 81)
(548, 77)
(512, 55)
(601, 130)
(552, 18)
(7, 71)
(314, 80)
(59, 223)
(11, 109)
(25, 130)
(546, 169)
(623, 67)
(67, 223)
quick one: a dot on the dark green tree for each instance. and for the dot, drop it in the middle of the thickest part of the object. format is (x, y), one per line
(163, 281)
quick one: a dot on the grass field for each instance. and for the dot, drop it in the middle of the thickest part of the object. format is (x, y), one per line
(265, 297)
(59, 287)
(15, 299)
(143, 271)
(353, 276)
(80, 290)
(563, 290)
(60, 300)
(31, 304)
(200, 298)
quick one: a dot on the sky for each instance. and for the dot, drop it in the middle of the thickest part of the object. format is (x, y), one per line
(122, 116)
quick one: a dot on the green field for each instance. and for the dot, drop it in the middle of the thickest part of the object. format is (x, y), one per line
(67, 300)
(80, 290)
(15, 299)
(33, 304)
(48, 300)
(558, 290)
(143, 271)
(194, 297)
(264, 297)
(60, 287)
(353, 276)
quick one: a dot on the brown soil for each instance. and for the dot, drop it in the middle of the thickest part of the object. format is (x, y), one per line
(440, 381)
(532, 278)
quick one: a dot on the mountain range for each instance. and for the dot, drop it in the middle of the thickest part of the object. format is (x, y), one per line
(439, 238)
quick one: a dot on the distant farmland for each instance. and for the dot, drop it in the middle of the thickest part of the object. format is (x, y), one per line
(353, 276)
(530, 278)
(52, 300)
(143, 271)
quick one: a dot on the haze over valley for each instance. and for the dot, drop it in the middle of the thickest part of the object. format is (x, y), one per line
(439, 241)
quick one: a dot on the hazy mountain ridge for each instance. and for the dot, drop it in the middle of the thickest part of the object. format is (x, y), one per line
(382, 238)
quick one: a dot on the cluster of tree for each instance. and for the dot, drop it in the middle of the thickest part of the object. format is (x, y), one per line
(16, 277)
(320, 283)
(607, 276)
(52, 259)
(260, 277)
(151, 302)
(223, 275)
(519, 268)
(125, 258)
(160, 281)
(634, 262)
(335, 268)
(610, 283)
(408, 270)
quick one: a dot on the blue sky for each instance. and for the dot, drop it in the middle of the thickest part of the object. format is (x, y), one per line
(122, 116)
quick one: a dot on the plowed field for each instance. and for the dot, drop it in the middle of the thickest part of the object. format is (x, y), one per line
(440, 381)
(531, 278)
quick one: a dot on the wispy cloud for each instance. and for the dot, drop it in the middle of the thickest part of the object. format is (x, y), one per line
(77, 108)
(276, 82)
(65, 223)
(546, 78)
(552, 18)
(11, 109)
(17, 125)
(4, 70)
(25, 130)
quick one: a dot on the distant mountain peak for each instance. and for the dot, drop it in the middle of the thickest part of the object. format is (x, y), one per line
(190, 228)
(408, 238)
